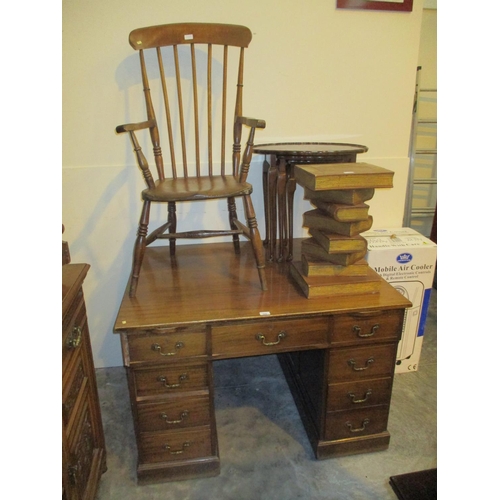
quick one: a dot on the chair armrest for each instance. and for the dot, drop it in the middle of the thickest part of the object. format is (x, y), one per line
(251, 122)
(141, 159)
(130, 127)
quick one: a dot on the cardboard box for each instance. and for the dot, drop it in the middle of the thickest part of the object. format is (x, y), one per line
(407, 260)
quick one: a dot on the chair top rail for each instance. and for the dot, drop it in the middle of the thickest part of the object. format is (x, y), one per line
(184, 33)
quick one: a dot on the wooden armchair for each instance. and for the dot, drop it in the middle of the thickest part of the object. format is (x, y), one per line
(191, 65)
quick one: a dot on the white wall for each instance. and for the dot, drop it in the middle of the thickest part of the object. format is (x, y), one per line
(427, 56)
(312, 72)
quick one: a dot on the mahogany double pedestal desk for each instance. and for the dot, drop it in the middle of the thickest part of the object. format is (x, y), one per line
(338, 355)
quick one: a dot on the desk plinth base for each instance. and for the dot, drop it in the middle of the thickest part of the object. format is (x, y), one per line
(177, 471)
(352, 446)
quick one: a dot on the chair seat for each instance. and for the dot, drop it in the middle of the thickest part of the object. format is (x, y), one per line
(197, 188)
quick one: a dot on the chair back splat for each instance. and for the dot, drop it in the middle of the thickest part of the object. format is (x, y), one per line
(188, 68)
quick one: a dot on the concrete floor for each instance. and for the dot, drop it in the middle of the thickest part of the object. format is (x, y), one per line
(264, 450)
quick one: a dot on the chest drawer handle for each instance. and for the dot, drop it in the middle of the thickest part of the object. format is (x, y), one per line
(357, 401)
(365, 422)
(182, 416)
(262, 338)
(157, 348)
(352, 364)
(357, 330)
(164, 381)
(185, 445)
(75, 338)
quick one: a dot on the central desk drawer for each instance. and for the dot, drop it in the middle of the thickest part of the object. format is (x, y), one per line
(267, 337)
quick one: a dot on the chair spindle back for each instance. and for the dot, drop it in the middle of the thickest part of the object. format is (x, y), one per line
(195, 105)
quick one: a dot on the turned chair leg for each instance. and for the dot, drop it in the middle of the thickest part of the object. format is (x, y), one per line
(256, 241)
(139, 247)
(172, 219)
(233, 215)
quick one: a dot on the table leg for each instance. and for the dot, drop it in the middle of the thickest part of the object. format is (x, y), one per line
(282, 218)
(290, 193)
(265, 189)
(272, 180)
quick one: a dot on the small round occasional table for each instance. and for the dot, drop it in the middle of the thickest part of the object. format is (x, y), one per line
(279, 185)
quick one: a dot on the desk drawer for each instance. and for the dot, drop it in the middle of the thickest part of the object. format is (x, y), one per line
(359, 394)
(171, 379)
(166, 347)
(356, 423)
(357, 363)
(175, 445)
(367, 327)
(176, 413)
(267, 337)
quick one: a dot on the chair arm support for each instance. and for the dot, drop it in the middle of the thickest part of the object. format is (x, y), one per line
(251, 122)
(141, 159)
(130, 127)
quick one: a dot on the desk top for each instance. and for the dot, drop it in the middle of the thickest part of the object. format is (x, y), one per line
(209, 283)
(309, 148)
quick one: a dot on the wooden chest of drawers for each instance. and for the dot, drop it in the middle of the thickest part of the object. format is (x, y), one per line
(83, 450)
(338, 356)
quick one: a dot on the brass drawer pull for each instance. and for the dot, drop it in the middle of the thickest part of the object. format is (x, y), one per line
(157, 348)
(357, 401)
(365, 422)
(352, 364)
(262, 338)
(75, 338)
(356, 329)
(182, 416)
(185, 445)
(164, 381)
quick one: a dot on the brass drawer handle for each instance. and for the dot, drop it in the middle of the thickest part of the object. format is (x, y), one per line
(262, 338)
(157, 348)
(182, 416)
(365, 422)
(75, 338)
(357, 401)
(164, 381)
(185, 445)
(352, 364)
(356, 329)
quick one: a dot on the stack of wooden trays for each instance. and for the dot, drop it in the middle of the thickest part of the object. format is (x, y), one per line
(332, 259)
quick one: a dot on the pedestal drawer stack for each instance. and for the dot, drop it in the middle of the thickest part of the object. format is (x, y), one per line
(344, 392)
(360, 374)
(171, 392)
